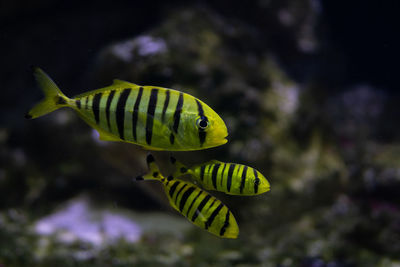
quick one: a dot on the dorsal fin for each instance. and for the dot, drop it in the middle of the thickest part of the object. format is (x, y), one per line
(154, 172)
(180, 168)
(116, 85)
(121, 82)
(213, 161)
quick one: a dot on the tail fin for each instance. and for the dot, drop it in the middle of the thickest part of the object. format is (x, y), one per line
(53, 97)
(154, 172)
(180, 169)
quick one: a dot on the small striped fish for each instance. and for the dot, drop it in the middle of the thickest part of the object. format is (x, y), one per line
(199, 207)
(230, 178)
(153, 117)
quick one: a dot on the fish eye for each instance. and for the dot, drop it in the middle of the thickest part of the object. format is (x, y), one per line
(202, 123)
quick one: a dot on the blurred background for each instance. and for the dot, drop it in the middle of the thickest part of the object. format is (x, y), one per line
(307, 89)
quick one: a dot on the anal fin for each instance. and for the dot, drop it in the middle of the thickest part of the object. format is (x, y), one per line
(107, 137)
(151, 148)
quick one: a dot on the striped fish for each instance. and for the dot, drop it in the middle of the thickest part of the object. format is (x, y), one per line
(199, 207)
(155, 118)
(230, 178)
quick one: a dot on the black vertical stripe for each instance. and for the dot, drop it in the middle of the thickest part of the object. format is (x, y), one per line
(136, 113)
(222, 175)
(200, 207)
(256, 181)
(244, 173)
(202, 169)
(214, 174)
(78, 103)
(173, 188)
(202, 133)
(96, 107)
(177, 113)
(226, 224)
(199, 108)
(180, 190)
(166, 102)
(213, 215)
(120, 111)
(108, 105)
(177, 116)
(202, 136)
(193, 201)
(229, 179)
(150, 114)
(185, 197)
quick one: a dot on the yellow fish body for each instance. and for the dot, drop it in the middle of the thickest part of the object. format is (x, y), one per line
(199, 207)
(153, 117)
(230, 178)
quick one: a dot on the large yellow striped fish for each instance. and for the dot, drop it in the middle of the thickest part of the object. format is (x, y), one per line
(153, 117)
(196, 205)
(230, 178)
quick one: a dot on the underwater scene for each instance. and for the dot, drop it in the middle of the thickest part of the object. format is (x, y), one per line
(199, 133)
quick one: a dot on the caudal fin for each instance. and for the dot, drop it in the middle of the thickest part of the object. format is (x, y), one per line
(53, 97)
(180, 169)
(154, 172)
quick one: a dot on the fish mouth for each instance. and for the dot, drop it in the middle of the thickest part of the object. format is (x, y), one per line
(219, 142)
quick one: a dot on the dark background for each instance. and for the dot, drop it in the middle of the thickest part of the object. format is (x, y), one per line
(358, 40)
